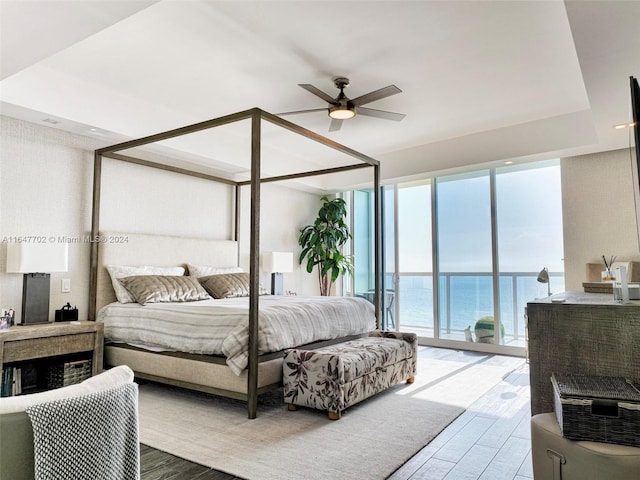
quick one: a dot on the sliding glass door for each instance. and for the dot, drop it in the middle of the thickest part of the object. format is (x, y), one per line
(414, 290)
(462, 253)
(362, 283)
(529, 238)
(465, 265)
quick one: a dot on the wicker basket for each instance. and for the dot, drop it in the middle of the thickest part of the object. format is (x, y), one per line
(69, 373)
(597, 409)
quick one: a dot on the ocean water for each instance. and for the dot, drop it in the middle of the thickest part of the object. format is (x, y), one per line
(464, 299)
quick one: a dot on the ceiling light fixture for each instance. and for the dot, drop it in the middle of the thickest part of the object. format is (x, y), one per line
(343, 109)
(342, 112)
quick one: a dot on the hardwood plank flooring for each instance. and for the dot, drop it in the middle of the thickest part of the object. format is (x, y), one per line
(158, 465)
(491, 440)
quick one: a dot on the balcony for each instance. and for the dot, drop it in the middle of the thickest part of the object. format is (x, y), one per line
(465, 297)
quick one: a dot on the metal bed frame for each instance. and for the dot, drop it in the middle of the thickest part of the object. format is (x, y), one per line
(256, 116)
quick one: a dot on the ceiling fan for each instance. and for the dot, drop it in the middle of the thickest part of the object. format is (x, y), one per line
(342, 108)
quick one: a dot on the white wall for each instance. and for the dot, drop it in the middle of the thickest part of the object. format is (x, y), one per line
(141, 199)
(45, 190)
(283, 212)
(598, 212)
(46, 180)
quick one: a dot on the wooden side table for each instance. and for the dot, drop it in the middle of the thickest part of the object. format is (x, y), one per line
(22, 344)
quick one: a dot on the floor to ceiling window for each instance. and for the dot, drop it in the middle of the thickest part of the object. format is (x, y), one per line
(484, 236)
(465, 268)
(415, 266)
(362, 283)
(362, 233)
(529, 238)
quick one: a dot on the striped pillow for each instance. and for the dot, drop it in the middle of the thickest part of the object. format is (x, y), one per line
(164, 289)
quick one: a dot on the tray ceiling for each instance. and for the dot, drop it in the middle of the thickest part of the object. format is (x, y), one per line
(482, 81)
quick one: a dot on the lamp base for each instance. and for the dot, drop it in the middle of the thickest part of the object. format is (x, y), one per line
(276, 284)
(35, 298)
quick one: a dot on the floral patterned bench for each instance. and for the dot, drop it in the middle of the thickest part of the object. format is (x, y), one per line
(338, 376)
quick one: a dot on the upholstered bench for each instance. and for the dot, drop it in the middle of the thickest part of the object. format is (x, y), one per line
(335, 377)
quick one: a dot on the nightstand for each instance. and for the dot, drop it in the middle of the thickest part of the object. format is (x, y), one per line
(37, 348)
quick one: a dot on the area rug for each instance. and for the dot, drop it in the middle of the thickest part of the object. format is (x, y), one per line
(371, 440)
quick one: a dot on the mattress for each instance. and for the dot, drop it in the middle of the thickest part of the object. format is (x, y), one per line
(221, 326)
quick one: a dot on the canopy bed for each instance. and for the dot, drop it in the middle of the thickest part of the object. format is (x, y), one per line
(199, 369)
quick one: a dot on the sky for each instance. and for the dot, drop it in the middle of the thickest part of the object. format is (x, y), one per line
(529, 222)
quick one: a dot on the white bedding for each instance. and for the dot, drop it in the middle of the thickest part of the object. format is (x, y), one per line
(220, 327)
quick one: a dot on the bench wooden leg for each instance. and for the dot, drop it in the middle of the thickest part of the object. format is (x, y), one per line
(334, 415)
(292, 407)
(411, 379)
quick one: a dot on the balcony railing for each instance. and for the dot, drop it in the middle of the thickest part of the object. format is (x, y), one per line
(465, 297)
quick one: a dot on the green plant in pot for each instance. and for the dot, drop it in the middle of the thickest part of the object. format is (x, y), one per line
(321, 244)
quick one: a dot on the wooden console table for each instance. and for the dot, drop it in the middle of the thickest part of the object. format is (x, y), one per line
(587, 334)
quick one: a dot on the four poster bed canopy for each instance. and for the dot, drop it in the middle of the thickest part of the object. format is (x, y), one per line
(198, 371)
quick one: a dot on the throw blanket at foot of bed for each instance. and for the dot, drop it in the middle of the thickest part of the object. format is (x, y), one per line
(338, 376)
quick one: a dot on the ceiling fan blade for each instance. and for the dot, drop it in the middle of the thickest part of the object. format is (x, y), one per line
(318, 93)
(324, 109)
(375, 95)
(372, 112)
(335, 125)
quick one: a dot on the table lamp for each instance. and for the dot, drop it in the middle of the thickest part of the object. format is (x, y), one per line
(277, 263)
(543, 277)
(36, 261)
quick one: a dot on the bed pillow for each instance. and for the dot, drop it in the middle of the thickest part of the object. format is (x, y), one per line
(164, 288)
(204, 271)
(228, 285)
(119, 271)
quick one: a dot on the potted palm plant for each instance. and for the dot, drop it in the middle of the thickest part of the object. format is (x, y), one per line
(321, 244)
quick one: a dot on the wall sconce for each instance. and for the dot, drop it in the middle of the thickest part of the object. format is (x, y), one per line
(543, 277)
(36, 261)
(277, 263)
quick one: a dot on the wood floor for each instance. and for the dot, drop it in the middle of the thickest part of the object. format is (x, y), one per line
(489, 441)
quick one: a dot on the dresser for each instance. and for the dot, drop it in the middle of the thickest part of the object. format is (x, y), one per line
(583, 333)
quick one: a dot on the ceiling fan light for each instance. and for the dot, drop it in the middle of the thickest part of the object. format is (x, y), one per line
(342, 112)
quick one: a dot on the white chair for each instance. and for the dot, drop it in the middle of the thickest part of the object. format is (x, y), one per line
(17, 458)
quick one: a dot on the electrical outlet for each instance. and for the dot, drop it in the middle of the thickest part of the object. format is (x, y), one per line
(66, 285)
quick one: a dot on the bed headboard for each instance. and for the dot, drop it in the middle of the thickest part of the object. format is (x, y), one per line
(135, 249)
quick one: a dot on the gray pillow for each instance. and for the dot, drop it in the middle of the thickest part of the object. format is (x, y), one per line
(228, 285)
(163, 288)
(120, 271)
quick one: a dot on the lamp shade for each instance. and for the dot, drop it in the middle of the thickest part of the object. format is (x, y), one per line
(37, 257)
(277, 262)
(543, 276)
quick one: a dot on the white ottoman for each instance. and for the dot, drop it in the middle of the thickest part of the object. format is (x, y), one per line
(557, 458)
